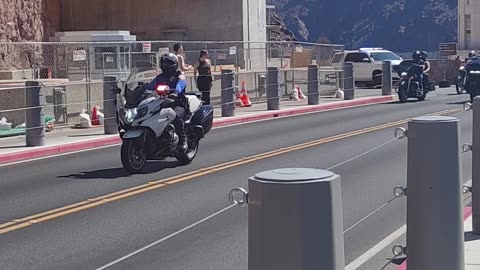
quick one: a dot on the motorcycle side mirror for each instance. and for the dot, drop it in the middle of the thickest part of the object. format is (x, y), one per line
(120, 84)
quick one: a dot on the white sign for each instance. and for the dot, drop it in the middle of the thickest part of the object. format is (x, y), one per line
(163, 50)
(147, 47)
(221, 56)
(299, 49)
(79, 55)
(109, 59)
(233, 50)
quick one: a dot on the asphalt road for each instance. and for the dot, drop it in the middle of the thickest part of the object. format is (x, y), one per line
(97, 232)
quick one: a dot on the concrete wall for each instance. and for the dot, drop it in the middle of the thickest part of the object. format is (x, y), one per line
(157, 19)
(471, 7)
(255, 32)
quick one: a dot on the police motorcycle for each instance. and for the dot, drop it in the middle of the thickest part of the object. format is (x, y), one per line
(145, 117)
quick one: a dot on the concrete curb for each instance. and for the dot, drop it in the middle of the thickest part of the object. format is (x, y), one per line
(114, 139)
(467, 212)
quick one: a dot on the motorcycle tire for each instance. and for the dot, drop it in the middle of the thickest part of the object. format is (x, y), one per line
(422, 97)
(459, 88)
(402, 95)
(133, 155)
(191, 152)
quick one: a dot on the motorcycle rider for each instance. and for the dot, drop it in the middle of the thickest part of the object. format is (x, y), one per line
(420, 58)
(175, 80)
(471, 55)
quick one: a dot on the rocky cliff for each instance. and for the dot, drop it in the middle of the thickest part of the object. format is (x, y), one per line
(401, 25)
(26, 20)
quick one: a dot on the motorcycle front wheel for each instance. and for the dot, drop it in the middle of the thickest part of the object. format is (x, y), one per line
(402, 94)
(133, 155)
(459, 87)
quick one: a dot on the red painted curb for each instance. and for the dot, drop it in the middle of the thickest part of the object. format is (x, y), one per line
(58, 149)
(467, 212)
(294, 111)
(72, 147)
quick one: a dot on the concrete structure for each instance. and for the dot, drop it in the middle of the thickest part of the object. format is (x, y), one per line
(180, 20)
(468, 24)
(95, 59)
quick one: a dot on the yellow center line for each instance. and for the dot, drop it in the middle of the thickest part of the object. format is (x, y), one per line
(153, 185)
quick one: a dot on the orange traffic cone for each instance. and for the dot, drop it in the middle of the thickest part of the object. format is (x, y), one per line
(244, 96)
(95, 118)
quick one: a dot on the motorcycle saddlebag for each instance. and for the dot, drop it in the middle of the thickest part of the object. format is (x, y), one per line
(203, 117)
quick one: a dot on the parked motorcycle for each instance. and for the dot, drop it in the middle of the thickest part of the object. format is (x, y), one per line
(409, 86)
(145, 121)
(461, 77)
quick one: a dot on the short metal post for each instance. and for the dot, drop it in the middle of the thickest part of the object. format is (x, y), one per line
(34, 114)
(348, 81)
(295, 220)
(475, 167)
(387, 78)
(227, 94)
(110, 125)
(273, 95)
(313, 94)
(435, 239)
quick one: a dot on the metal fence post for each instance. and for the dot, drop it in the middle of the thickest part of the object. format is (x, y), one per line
(387, 78)
(109, 109)
(475, 167)
(273, 96)
(348, 81)
(313, 94)
(435, 239)
(295, 220)
(34, 115)
(227, 94)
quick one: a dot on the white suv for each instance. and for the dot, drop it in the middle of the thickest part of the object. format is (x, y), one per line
(367, 63)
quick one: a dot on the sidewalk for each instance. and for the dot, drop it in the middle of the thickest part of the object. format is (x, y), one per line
(66, 140)
(472, 245)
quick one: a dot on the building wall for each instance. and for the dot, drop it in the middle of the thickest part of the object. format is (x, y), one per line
(466, 8)
(157, 19)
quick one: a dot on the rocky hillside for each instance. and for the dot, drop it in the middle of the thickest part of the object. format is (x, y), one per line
(400, 25)
(25, 20)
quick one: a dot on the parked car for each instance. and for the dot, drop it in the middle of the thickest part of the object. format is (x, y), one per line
(367, 64)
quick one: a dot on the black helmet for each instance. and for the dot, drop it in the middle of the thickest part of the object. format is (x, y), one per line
(417, 55)
(472, 54)
(169, 64)
(424, 55)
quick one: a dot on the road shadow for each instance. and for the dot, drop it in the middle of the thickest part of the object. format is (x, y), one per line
(470, 236)
(114, 173)
(458, 102)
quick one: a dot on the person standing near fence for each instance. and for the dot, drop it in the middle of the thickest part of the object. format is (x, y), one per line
(178, 48)
(205, 79)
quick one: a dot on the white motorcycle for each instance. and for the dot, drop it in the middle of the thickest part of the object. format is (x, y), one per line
(145, 119)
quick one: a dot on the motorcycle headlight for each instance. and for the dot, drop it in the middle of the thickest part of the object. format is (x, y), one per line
(130, 115)
(142, 111)
(462, 68)
(404, 74)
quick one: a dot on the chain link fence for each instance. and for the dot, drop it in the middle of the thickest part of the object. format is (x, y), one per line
(73, 72)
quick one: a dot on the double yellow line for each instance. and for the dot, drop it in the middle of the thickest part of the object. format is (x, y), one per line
(17, 224)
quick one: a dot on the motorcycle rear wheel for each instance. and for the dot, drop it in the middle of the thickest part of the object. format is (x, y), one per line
(133, 155)
(191, 152)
